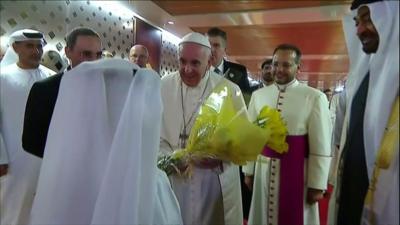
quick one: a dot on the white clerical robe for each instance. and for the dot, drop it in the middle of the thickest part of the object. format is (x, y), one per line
(305, 111)
(210, 196)
(19, 185)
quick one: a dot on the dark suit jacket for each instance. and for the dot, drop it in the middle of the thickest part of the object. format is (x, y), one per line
(38, 112)
(238, 75)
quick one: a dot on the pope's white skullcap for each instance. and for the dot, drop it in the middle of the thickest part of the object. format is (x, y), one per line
(26, 35)
(197, 38)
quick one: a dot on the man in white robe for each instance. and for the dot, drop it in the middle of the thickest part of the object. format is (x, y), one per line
(99, 164)
(368, 173)
(288, 186)
(20, 68)
(212, 194)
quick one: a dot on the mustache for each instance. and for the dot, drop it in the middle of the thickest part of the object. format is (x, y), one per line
(366, 34)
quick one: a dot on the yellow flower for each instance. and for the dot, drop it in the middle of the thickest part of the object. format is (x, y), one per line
(222, 131)
(270, 119)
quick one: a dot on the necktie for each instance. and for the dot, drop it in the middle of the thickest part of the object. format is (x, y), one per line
(217, 71)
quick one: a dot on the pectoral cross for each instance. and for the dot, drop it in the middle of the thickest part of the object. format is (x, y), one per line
(182, 139)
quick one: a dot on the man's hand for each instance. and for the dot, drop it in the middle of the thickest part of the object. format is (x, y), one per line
(328, 191)
(248, 180)
(208, 163)
(3, 169)
(314, 195)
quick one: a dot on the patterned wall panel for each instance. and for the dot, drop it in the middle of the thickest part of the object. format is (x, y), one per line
(56, 18)
(169, 57)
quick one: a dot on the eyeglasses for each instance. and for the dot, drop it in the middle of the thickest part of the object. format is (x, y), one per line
(91, 55)
(284, 65)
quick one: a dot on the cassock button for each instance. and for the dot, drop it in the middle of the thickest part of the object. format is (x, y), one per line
(279, 103)
(279, 110)
(280, 96)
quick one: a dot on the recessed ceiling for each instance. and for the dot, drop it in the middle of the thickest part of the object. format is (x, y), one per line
(255, 28)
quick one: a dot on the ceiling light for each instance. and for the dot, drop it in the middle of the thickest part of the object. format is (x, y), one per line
(171, 22)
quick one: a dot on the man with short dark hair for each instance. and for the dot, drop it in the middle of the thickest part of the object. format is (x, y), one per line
(287, 186)
(236, 73)
(368, 175)
(267, 78)
(83, 44)
(19, 171)
(328, 93)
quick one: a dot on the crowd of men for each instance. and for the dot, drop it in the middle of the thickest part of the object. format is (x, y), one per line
(80, 146)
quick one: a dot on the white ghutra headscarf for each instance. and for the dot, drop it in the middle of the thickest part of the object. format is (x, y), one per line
(383, 69)
(99, 165)
(11, 57)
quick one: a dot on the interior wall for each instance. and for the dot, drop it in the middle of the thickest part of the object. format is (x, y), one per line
(169, 57)
(56, 18)
(150, 37)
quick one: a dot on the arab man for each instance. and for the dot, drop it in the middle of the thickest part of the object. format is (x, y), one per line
(99, 164)
(212, 194)
(19, 171)
(368, 175)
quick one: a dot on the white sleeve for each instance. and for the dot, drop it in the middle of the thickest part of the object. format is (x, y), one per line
(3, 152)
(319, 135)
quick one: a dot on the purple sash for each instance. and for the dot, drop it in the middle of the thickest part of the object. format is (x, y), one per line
(291, 186)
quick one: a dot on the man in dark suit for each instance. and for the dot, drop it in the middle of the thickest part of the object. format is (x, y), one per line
(237, 73)
(83, 44)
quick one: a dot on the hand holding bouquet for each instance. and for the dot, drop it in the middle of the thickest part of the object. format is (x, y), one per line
(223, 132)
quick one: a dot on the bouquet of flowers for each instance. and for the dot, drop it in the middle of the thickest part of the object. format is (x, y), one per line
(223, 131)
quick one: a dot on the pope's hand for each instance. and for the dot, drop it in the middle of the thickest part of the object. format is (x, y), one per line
(208, 163)
(314, 195)
(3, 169)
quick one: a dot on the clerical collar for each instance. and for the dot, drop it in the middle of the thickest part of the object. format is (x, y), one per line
(282, 87)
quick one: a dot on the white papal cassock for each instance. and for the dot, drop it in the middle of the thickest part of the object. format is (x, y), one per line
(210, 196)
(306, 113)
(19, 185)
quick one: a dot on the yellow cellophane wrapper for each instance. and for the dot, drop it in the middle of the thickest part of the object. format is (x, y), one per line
(222, 130)
(270, 119)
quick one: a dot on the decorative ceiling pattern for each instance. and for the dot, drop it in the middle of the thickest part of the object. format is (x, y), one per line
(255, 28)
